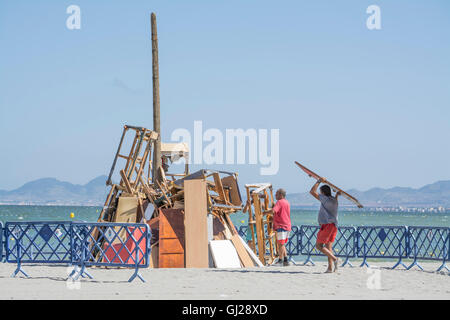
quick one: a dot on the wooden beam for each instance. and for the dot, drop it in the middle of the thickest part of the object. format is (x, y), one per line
(126, 182)
(156, 102)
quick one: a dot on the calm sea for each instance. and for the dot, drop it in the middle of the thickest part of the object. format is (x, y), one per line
(355, 218)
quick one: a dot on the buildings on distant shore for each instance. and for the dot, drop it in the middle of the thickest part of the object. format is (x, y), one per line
(430, 209)
(438, 209)
(400, 209)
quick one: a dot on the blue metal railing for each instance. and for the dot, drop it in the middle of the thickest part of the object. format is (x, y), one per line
(292, 246)
(345, 244)
(429, 243)
(84, 244)
(80, 244)
(394, 242)
(37, 242)
(110, 244)
(2, 245)
(382, 242)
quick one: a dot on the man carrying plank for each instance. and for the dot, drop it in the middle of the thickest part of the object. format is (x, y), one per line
(327, 219)
(282, 224)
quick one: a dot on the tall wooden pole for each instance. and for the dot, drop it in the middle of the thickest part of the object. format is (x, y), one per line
(156, 107)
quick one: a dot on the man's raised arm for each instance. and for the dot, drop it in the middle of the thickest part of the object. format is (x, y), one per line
(313, 190)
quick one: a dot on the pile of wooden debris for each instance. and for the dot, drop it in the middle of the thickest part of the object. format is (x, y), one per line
(188, 214)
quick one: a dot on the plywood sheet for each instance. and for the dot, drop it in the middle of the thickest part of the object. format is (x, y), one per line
(171, 238)
(126, 210)
(224, 254)
(195, 222)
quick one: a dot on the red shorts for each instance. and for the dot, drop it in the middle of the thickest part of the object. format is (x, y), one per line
(327, 233)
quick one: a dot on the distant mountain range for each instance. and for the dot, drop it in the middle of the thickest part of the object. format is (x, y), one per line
(50, 191)
(431, 195)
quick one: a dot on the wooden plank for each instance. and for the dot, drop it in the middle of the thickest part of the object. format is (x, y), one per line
(126, 182)
(195, 223)
(332, 186)
(164, 194)
(140, 211)
(242, 252)
(219, 187)
(230, 224)
(171, 239)
(251, 253)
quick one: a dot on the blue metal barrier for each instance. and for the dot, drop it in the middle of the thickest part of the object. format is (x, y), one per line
(1, 242)
(128, 244)
(396, 242)
(307, 240)
(429, 243)
(293, 244)
(382, 242)
(344, 244)
(78, 243)
(243, 231)
(37, 242)
(110, 244)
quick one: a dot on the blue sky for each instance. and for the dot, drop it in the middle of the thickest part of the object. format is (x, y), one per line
(362, 107)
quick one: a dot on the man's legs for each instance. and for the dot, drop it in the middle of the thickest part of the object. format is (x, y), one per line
(327, 250)
(282, 236)
(282, 250)
(329, 247)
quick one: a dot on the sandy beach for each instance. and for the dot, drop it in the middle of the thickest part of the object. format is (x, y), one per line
(293, 282)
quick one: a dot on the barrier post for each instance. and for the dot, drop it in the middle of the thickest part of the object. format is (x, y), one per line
(83, 270)
(347, 261)
(347, 258)
(136, 268)
(400, 253)
(75, 269)
(446, 256)
(345, 244)
(19, 260)
(364, 262)
(2, 244)
(304, 247)
(295, 244)
(308, 259)
(364, 245)
(415, 261)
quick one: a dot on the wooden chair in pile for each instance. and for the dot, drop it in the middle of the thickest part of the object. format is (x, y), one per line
(127, 200)
(260, 221)
(133, 186)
